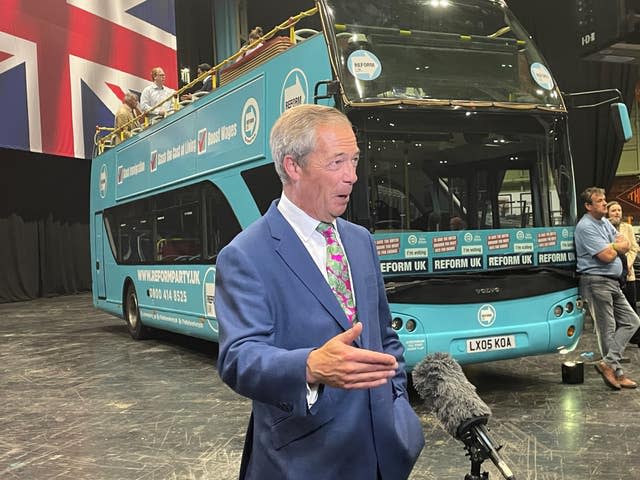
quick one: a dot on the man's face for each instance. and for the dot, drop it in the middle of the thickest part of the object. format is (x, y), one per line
(159, 77)
(598, 206)
(615, 214)
(131, 101)
(322, 187)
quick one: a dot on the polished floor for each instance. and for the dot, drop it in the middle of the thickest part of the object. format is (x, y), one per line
(80, 400)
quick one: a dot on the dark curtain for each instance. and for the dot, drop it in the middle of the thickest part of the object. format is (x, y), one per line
(195, 42)
(596, 149)
(19, 255)
(44, 225)
(42, 258)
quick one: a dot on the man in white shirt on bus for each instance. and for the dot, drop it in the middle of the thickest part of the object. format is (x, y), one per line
(155, 93)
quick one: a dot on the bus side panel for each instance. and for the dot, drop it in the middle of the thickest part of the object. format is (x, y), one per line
(216, 138)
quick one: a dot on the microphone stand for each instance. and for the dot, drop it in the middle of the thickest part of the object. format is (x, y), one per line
(475, 473)
(475, 450)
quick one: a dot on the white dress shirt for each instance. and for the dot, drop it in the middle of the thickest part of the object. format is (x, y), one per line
(315, 243)
(152, 95)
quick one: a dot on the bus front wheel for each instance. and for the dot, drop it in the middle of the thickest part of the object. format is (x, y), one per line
(132, 315)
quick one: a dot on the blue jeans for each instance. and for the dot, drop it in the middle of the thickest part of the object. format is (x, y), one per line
(615, 320)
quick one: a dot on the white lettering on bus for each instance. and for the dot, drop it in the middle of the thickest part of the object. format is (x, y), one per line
(446, 263)
(503, 261)
(556, 257)
(225, 132)
(189, 277)
(133, 170)
(393, 267)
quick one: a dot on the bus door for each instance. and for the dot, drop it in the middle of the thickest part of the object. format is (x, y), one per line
(98, 228)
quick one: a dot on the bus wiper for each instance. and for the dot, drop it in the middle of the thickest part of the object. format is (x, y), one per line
(395, 287)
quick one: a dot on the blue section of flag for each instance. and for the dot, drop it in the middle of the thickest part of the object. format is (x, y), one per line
(160, 13)
(14, 128)
(94, 112)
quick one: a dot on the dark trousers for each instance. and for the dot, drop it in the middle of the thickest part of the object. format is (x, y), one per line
(629, 291)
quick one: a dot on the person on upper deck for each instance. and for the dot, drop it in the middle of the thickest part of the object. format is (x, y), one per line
(155, 93)
(207, 83)
(126, 115)
(254, 35)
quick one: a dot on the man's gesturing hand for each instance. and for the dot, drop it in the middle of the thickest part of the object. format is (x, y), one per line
(339, 364)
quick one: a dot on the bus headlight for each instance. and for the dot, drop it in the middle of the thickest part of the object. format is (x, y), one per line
(558, 310)
(396, 323)
(411, 325)
(569, 307)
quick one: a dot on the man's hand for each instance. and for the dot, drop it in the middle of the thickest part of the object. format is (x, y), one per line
(339, 364)
(622, 244)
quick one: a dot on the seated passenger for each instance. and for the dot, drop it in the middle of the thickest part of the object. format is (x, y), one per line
(255, 34)
(457, 223)
(156, 93)
(207, 84)
(126, 115)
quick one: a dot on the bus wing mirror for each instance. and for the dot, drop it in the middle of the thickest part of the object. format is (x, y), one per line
(621, 122)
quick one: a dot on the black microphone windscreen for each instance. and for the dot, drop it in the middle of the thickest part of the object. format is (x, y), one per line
(442, 385)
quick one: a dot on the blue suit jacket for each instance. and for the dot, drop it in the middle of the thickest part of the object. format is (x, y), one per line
(274, 307)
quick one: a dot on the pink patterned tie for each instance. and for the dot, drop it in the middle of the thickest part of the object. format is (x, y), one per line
(338, 271)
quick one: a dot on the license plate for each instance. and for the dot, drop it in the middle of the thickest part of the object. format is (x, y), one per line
(489, 344)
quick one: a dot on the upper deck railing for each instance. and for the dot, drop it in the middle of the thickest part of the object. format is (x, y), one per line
(260, 50)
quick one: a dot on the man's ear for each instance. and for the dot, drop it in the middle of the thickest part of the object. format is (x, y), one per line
(292, 167)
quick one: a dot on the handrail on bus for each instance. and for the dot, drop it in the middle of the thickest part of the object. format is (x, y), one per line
(107, 141)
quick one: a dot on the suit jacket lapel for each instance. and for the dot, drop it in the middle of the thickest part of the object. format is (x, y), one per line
(295, 255)
(358, 263)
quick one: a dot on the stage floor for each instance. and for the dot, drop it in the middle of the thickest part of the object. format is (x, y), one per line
(80, 400)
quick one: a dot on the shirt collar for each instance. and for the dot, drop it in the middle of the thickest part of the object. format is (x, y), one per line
(299, 220)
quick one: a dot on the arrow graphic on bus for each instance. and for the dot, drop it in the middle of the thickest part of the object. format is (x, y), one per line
(294, 95)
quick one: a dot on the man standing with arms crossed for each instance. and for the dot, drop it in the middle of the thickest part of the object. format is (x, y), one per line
(597, 246)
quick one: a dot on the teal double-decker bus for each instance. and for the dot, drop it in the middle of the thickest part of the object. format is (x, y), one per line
(465, 177)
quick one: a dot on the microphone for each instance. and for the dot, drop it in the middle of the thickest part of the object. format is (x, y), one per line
(442, 385)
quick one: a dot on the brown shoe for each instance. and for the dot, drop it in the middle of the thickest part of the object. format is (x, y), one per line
(608, 375)
(626, 382)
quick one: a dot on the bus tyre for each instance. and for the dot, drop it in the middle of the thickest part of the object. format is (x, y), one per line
(132, 315)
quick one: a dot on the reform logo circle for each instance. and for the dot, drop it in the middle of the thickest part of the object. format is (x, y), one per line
(103, 181)
(250, 121)
(364, 65)
(486, 315)
(541, 75)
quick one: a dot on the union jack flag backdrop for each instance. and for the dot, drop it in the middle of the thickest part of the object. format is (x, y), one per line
(66, 64)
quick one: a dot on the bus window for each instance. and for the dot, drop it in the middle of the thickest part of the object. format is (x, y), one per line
(424, 173)
(131, 234)
(169, 227)
(264, 185)
(222, 224)
(178, 226)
